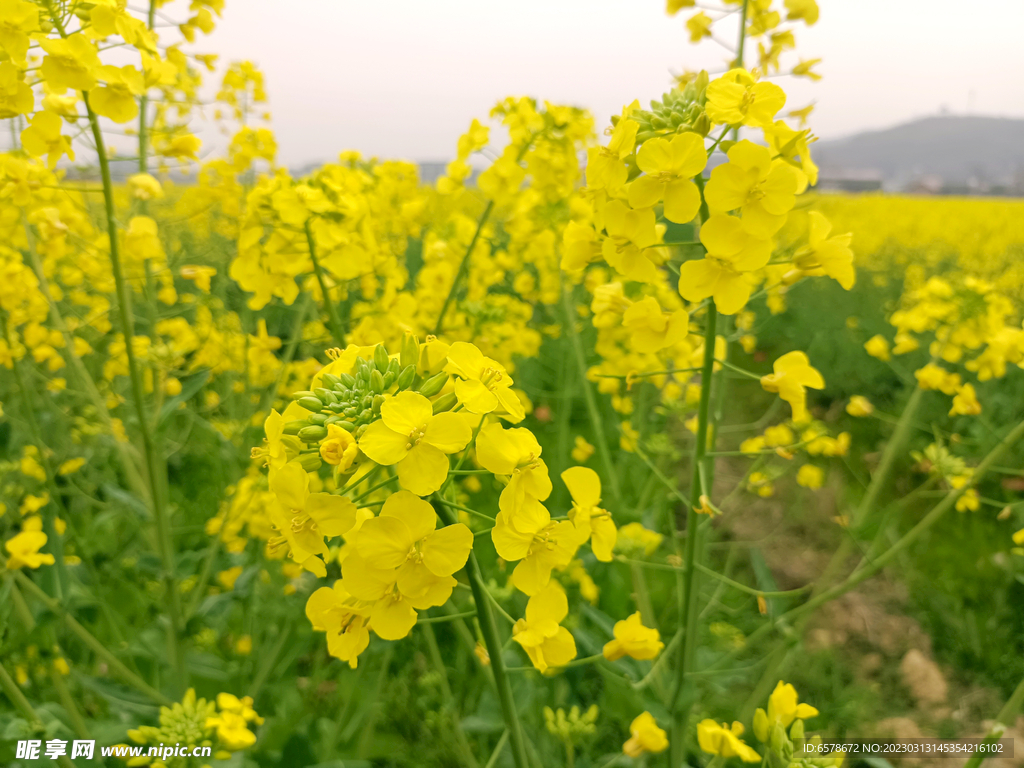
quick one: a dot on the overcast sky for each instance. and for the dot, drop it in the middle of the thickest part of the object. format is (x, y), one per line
(403, 78)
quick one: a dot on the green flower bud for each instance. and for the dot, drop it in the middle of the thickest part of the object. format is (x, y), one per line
(434, 384)
(330, 380)
(410, 350)
(351, 412)
(318, 418)
(380, 358)
(702, 124)
(325, 394)
(347, 380)
(348, 426)
(376, 382)
(405, 378)
(394, 366)
(366, 414)
(761, 724)
(378, 401)
(311, 404)
(301, 394)
(309, 462)
(312, 433)
(293, 427)
(389, 379)
(702, 80)
(796, 731)
(445, 403)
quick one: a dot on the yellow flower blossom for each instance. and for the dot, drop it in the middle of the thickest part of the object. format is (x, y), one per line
(483, 385)
(339, 448)
(304, 518)
(792, 375)
(590, 520)
(669, 166)
(783, 709)
(546, 642)
(43, 137)
(699, 26)
(826, 255)
(23, 549)
(651, 329)
(343, 618)
(965, 402)
(736, 98)
(529, 536)
(605, 169)
(633, 639)
(409, 435)
(515, 454)
(725, 741)
(761, 188)
(582, 450)
(859, 406)
(721, 274)
(645, 736)
(810, 476)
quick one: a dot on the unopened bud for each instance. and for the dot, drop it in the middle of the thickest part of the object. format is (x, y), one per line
(410, 350)
(309, 462)
(434, 384)
(312, 433)
(311, 404)
(293, 427)
(376, 381)
(405, 378)
(445, 403)
(325, 394)
(380, 358)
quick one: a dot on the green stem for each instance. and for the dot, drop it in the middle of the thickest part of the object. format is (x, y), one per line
(680, 710)
(55, 540)
(1005, 718)
(332, 311)
(165, 541)
(596, 422)
(25, 708)
(99, 648)
(463, 266)
(449, 700)
(81, 374)
(870, 569)
(489, 630)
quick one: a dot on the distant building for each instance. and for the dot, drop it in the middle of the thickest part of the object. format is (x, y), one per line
(849, 180)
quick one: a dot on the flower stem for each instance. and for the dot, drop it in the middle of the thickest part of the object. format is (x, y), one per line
(463, 267)
(332, 311)
(489, 630)
(99, 648)
(165, 542)
(680, 710)
(596, 422)
(25, 708)
(1003, 719)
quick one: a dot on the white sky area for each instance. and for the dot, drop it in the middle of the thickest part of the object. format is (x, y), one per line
(403, 78)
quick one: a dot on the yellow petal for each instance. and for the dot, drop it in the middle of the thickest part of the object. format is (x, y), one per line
(423, 470)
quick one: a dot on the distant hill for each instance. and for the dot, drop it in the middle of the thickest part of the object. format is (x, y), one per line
(946, 152)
